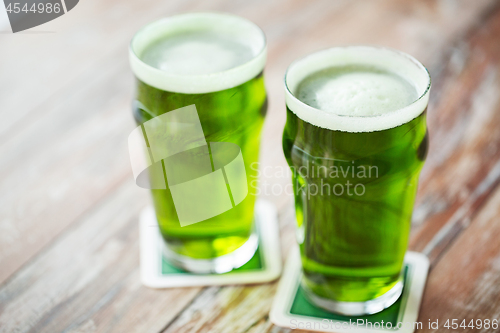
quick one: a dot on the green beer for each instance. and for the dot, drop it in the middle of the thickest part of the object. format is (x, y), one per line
(214, 62)
(356, 140)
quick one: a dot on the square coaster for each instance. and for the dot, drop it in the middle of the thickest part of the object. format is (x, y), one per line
(291, 309)
(265, 265)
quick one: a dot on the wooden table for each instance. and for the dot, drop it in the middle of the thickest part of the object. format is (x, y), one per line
(69, 255)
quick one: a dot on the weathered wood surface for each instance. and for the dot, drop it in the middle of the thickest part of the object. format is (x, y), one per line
(69, 209)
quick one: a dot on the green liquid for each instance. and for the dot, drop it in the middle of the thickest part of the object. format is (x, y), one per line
(233, 115)
(353, 245)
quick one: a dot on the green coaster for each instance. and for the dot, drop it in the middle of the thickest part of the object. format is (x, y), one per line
(291, 308)
(265, 265)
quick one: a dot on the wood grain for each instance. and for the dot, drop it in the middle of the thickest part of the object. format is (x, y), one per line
(465, 283)
(89, 279)
(68, 213)
(465, 141)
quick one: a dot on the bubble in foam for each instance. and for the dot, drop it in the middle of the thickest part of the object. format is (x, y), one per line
(356, 91)
(197, 53)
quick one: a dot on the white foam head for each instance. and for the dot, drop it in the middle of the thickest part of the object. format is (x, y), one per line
(357, 88)
(198, 52)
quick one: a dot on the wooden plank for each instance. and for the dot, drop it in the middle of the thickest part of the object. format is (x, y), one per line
(226, 310)
(61, 165)
(464, 158)
(88, 280)
(465, 283)
(50, 65)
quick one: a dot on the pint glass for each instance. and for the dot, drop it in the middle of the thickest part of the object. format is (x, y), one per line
(200, 104)
(356, 140)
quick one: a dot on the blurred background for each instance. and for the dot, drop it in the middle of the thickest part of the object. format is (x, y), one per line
(69, 256)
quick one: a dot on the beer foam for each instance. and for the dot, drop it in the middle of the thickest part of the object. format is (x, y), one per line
(357, 88)
(356, 91)
(198, 53)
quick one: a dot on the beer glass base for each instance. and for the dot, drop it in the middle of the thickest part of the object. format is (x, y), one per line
(357, 308)
(222, 264)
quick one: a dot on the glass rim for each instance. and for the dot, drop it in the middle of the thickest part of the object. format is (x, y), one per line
(422, 100)
(198, 83)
